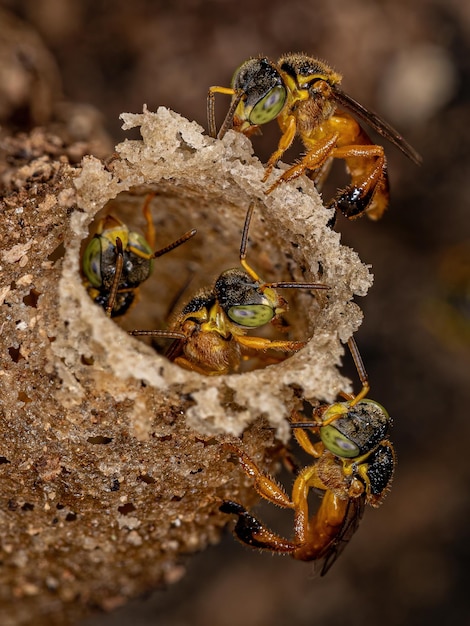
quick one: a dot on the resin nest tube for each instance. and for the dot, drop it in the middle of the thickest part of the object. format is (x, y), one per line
(111, 463)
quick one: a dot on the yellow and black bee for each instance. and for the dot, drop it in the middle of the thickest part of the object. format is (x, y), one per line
(305, 97)
(353, 466)
(116, 261)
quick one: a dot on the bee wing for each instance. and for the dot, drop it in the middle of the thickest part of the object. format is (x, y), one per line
(352, 518)
(377, 123)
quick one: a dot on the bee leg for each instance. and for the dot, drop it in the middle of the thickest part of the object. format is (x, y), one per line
(352, 202)
(248, 529)
(266, 486)
(284, 144)
(251, 531)
(332, 221)
(315, 159)
(150, 233)
(273, 492)
(381, 198)
(369, 189)
(311, 537)
(253, 345)
(304, 441)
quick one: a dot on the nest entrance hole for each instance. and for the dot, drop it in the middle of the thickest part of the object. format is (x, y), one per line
(197, 263)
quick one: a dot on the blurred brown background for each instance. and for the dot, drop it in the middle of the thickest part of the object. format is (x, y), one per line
(409, 61)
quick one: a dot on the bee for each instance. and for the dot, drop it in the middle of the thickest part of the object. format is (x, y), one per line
(353, 466)
(304, 93)
(116, 261)
(211, 330)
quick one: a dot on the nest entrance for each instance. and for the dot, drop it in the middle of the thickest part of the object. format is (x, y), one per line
(106, 436)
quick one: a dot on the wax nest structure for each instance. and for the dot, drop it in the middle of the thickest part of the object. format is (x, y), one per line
(111, 463)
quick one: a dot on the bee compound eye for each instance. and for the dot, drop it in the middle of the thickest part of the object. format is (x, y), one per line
(337, 443)
(269, 107)
(251, 315)
(91, 262)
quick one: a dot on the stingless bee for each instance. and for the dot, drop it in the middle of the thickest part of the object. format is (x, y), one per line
(211, 331)
(353, 466)
(116, 261)
(304, 93)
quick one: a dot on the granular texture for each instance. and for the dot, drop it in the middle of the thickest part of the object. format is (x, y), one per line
(111, 464)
